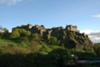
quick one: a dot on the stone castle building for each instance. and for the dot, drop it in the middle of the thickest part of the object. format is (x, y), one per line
(71, 28)
(61, 34)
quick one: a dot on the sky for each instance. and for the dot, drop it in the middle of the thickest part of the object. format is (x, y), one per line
(51, 13)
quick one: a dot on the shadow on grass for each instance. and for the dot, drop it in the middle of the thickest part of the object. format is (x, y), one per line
(34, 60)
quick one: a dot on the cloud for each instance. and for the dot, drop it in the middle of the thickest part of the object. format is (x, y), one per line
(88, 31)
(94, 35)
(9, 2)
(96, 16)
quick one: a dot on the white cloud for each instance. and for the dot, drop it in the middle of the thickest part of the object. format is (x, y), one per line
(95, 38)
(94, 35)
(97, 16)
(88, 31)
(9, 2)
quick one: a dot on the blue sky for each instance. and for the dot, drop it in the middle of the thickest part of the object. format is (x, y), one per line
(83, 13)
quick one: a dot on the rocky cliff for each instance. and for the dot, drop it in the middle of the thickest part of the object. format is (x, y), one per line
(68, 37)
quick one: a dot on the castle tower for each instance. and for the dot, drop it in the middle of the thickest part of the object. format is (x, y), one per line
(71, 28)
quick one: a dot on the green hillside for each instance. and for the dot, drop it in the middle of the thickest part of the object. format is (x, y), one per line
(37, 46)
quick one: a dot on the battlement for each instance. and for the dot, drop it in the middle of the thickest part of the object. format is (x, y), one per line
(71, 28)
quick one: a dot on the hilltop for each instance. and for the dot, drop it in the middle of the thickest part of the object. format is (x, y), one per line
(69, 37)
(37, 46)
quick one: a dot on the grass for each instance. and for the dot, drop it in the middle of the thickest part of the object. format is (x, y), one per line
(4, 42)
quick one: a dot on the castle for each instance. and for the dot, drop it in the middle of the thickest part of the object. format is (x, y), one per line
(42, 30)
(71, 28)
(69, 36)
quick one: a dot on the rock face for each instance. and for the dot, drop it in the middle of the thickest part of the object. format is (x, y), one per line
(69, 37)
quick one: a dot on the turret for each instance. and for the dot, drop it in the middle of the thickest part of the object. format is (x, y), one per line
(71, 28)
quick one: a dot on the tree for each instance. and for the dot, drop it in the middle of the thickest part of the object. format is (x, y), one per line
(20, 35)
(15, 33)
(60, 57)
(97, 49)
(53, 40)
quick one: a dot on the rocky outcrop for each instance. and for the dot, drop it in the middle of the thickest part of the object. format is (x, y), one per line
(69, 37)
